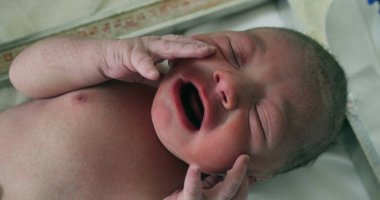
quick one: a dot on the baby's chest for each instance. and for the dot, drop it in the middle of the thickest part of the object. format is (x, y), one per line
(93, 142)
(109, 108)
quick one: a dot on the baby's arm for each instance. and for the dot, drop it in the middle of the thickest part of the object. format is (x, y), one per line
(57, 65)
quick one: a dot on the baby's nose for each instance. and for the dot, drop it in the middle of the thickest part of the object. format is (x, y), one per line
(226, 88)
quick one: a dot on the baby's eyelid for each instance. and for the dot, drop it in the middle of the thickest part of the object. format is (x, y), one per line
(234, 56)
(236, 59)
(259, 120)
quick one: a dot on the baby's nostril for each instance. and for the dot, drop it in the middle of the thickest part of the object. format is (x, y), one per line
(224, 97)
(217, 78)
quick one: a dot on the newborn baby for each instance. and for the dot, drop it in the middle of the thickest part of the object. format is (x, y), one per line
(104, 123)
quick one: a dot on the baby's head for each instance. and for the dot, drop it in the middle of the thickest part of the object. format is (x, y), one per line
(271, 93)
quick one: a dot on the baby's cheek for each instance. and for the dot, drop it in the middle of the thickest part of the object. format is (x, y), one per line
(216, 162)
(219, 153)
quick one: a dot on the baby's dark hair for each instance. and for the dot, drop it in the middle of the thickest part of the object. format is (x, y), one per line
(332, 82)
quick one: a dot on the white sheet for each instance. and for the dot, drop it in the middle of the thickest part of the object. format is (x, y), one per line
(19, 18)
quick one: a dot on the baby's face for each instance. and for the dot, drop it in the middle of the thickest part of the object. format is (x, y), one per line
(248, 97)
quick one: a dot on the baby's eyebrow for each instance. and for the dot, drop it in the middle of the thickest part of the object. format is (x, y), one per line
(257, 40)
(227, 40)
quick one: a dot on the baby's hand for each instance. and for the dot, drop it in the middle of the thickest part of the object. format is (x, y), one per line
(136, 59)
(234, 186)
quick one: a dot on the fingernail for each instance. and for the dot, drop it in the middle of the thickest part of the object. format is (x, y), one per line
(211, 47)
(153, 75)
(200, 43)
(196, 169)
(246, 159)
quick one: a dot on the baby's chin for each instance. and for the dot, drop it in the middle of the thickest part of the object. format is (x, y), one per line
(206, 166)
(212, 168)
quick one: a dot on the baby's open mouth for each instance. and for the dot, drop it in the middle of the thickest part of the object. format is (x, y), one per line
(192, 104)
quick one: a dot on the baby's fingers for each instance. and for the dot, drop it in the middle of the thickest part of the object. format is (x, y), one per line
(234, 179)
(179, 47)
(178, 38)
(146, 68)
(243, 190)
(192, 188)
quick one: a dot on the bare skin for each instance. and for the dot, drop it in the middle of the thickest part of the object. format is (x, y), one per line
(88, 136)
(79, 146)
(93, 137)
